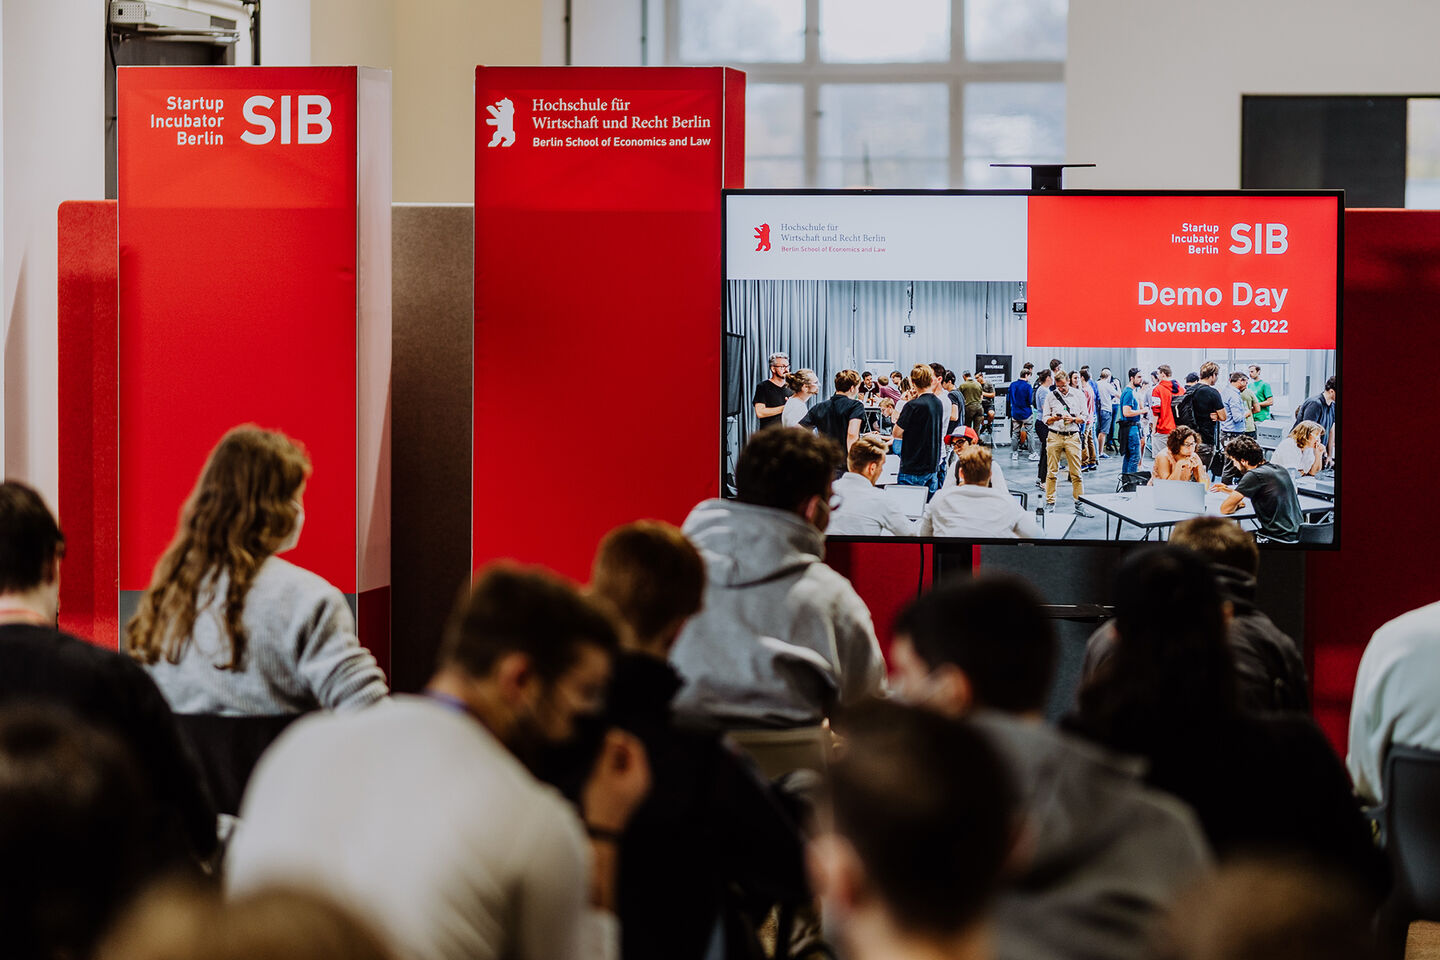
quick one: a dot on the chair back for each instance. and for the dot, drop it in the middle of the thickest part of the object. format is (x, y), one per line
(1317, 532)
(228, 749)
(1127, 482)
(1412, 827)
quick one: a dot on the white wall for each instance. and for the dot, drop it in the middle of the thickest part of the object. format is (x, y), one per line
(285, 33)
(1153, 87)
(53, 87)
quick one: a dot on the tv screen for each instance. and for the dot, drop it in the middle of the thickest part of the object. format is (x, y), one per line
(1061, 366)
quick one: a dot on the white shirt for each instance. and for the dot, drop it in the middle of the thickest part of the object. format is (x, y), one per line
(865, 511)
(970, 511)
(794, 412)
(1289, 455)
(415, 817)
(1395, 701)
(1055, 407)
(1108, 390)
(997, 477)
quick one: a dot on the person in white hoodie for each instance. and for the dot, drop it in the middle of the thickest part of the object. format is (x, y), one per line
(782, 639)
(974, 508)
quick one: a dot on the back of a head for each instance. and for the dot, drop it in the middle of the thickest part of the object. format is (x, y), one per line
(1009, 667)
(866, 451)
(74, 832)
(1172, 670)
(651, 574)
(182, 923)
(29, 538)
(525, 610)
(1257, 910)
(928, 805)
(783, 468)
(1219, 540)
(974, 464)
(922, 377)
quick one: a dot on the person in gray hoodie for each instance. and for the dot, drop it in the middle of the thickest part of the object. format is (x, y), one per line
(782, 639)
(1106, 854)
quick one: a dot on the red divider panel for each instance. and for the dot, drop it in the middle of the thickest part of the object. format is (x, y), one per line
(87, 371)
(597, 301)
(254, 285)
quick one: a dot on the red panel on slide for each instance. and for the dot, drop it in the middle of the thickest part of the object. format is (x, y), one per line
(237, 291)
(597, 301)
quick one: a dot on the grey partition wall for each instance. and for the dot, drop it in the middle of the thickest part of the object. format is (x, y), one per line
(434, 263)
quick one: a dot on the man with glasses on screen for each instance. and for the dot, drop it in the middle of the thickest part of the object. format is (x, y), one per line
(782, 639)
(1065, 415)
(770, 395)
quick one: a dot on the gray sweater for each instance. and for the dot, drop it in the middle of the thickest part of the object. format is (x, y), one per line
(302, 652)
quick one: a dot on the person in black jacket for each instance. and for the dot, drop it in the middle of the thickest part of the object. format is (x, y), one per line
(38, 663)
(710, 825)
(1270, 672)
(1269, 785)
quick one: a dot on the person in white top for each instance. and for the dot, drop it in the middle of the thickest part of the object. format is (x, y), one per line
(864, 510)
(1395, 702)
(418, 814)
(974, 508)
(1301, 451)
(958, 441)
(806, 385)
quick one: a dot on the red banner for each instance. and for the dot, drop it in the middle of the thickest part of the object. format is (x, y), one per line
(597, 300)
(1254, 272)
(248, 197)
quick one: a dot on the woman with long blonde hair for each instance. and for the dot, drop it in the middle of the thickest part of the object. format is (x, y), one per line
(1301, 450)
(226, 626)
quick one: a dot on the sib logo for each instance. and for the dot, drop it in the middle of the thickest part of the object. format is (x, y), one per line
(762, 233)
(312, 119)
(502, 118)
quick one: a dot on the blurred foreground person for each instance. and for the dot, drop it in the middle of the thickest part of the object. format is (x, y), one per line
(177, 923)
(419, 814)
(74, 842)
(1258, 910)
(919, 825)
(1104, 855)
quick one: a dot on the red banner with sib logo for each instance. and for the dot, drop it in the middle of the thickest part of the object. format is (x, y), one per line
(1177, 271)
(254, 232)
(597, 300)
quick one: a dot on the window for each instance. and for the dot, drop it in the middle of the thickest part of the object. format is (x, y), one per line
(904, 93)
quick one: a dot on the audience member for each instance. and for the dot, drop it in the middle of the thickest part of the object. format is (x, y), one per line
(1233, 425)
(228, 627)
(916, 836)
(1321, 409)
(782, 638)
(973, 393)
(869, 389)
(185, 923)
(1178, 460)
(987, 402)
(771, 394)
(1064, 415)
(1130, 412)
(1089, 459)
(1207, 409)
(709, 828)
(1043, 382)
(1270, 672)
(1017, 405)
(803, 385)
(921, 425)
(862, 509)
(1269, 910)
(1162, 407)
(972, 507)
(1252, 406)
(886, 421)
(38, 663)
(420, 816)
(1107, 391)
(1105, 853)
(1271, 492)
(1301, 450)
(75, 844)
(1168, 694)
(1395, 702)
(839, 418)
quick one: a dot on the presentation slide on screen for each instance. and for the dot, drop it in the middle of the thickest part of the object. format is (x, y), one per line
(1213, 317)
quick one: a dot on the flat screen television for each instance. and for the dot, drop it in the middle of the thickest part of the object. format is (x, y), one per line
(1216, 312)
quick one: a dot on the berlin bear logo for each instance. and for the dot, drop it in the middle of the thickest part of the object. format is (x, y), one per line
(762, 233)
(502, 118)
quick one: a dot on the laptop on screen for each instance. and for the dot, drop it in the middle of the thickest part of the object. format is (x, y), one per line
(911, 499)
(1180, 496)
